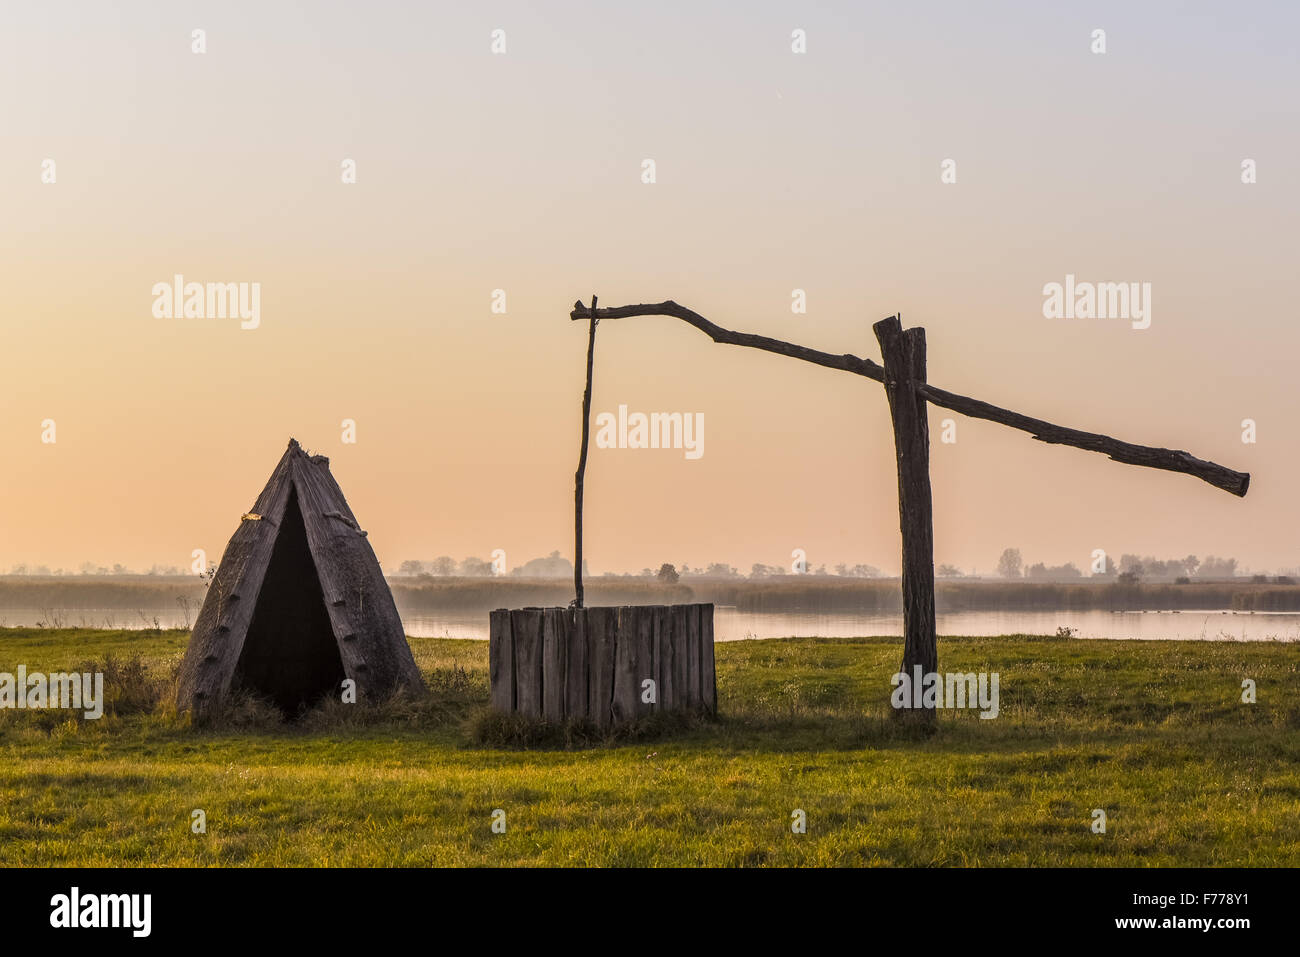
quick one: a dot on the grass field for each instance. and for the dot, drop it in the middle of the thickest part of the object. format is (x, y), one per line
(1154, 733)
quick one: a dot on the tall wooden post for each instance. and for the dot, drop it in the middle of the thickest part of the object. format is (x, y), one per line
(904, 361)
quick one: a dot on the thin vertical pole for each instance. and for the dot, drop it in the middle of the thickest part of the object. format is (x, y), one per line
(582, 460)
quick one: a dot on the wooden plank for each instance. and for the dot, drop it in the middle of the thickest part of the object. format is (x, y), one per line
(681, 667)
(694, 696)
(625, 664)
(526, 627)
(904, 355)
(664, 664)
(501, 661)
(601, 623)
(555, 645)
(575, 690)
(645, 667)
(708, 672)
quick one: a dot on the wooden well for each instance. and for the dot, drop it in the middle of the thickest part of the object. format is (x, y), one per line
(594, 664)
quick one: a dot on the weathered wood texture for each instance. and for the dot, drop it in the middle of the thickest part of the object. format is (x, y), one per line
(602, 625)
(526, 631)
(358, 616)
(666, 691)
(688, 689)
(555, 648)
(626, 668)
(578, 674)
(1173, 460)
(501, 661)
(708, 674)
(595, 664)
(645, 659)
(904, 355)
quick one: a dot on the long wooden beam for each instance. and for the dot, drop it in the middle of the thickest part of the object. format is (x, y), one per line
(1173, 460)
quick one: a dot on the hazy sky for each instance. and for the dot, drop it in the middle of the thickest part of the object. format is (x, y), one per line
(522, 171)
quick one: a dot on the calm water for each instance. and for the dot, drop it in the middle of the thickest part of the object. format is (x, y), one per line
(732, 625)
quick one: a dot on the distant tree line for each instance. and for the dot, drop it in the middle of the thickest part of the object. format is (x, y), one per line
(556, 566)
(92, 568)
(1131, 569)
(553, 565)
(672, 573)
(1011, 565)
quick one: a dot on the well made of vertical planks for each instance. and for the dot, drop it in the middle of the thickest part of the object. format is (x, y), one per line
(606, 665)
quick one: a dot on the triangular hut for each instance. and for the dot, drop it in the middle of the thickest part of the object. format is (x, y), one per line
(298, 602)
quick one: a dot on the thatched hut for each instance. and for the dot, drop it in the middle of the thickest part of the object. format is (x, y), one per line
(298, 602)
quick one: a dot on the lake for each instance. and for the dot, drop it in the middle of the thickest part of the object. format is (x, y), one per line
(730, 624)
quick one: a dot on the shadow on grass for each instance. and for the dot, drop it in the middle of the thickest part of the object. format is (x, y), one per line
(489, 728)
(792, 697)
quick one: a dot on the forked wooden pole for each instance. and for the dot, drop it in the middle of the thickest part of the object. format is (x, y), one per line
(904, 358)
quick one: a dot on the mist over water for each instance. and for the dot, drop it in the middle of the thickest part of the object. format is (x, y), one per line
(729, 624)
(732, 624)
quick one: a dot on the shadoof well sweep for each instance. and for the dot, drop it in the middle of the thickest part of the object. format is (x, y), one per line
(594, 663)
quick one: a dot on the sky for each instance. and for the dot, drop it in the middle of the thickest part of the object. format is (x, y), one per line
(523, 171)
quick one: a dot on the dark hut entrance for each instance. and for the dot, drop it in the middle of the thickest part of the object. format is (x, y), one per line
(290, 655)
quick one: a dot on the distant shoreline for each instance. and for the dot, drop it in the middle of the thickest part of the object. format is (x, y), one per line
(135, 594)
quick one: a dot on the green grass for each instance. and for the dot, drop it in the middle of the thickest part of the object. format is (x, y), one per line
(1152, 732)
